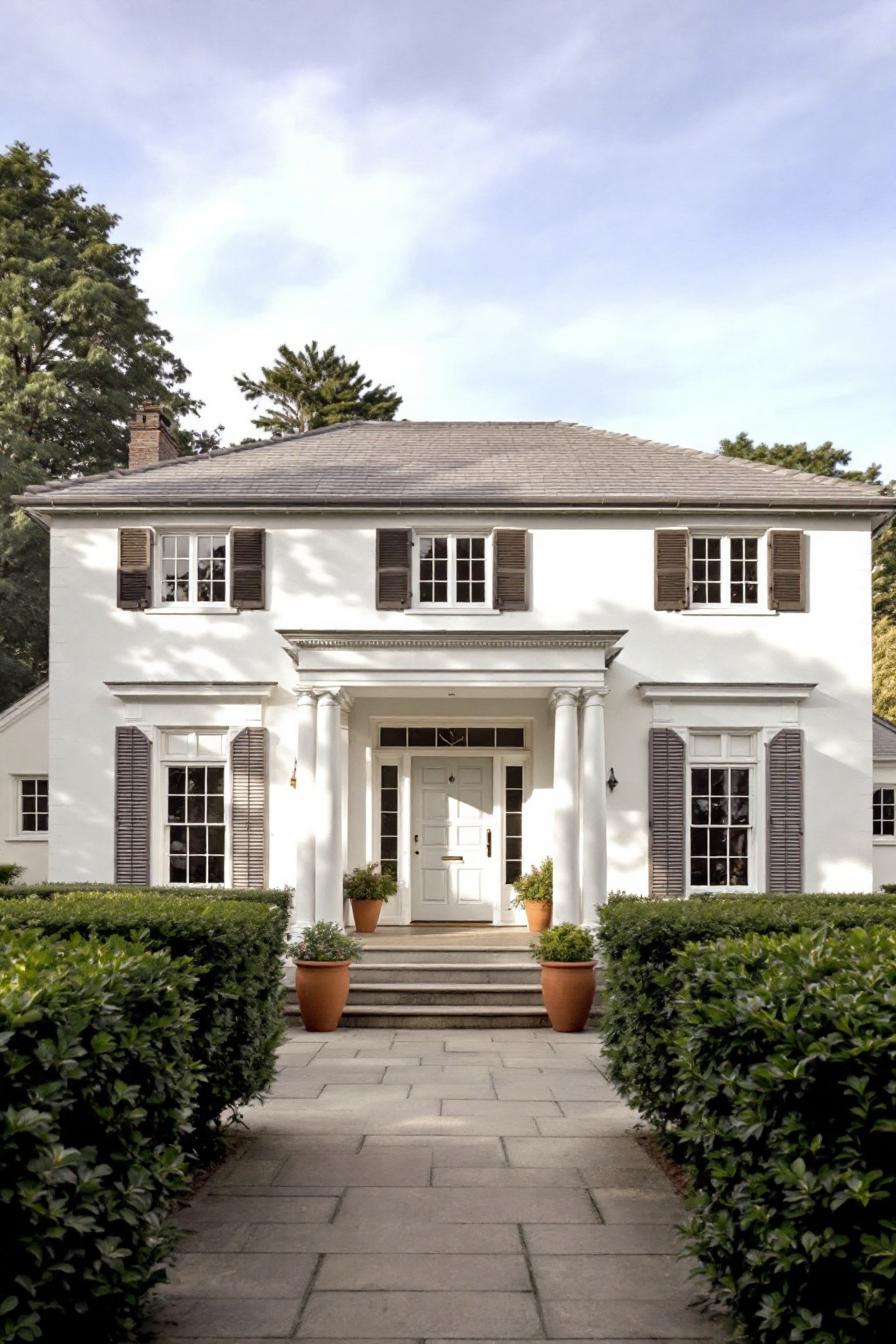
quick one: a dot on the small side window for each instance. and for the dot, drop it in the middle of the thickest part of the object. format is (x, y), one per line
(883, 812)
(33, 806)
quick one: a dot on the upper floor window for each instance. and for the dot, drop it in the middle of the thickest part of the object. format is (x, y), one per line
(193, 568)
(884, 811)
(33, 806)
(724, 571)
(453, 571)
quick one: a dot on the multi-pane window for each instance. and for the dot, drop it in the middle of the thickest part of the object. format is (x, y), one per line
(513, 822)
(724, 571)
(33, 806)
(389, 819)
(480, 736)
(452, 571)
(193, 568)
(884, 811)
(195, 823)
(720, 826)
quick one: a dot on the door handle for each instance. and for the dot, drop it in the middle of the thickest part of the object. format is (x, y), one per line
(488, 843)
(452, 858)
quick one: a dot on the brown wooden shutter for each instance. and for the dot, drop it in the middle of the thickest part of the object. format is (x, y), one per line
(134, 568)
(393, 568)
(248, 762)
(787, 571)
(784, 837)
(511, 564)
(667, 822)
(247, 578)
(672, 569)
(133, 758)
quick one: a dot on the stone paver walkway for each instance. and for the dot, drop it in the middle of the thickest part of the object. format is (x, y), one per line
(432, 1186)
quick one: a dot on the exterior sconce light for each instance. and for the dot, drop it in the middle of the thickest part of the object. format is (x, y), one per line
(292, 778)
(612, 781)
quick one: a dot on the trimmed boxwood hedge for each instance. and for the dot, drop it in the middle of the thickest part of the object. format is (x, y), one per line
(639, 943)
(98, 1086)
(785, 1056)
(237, 950)
(279, 896)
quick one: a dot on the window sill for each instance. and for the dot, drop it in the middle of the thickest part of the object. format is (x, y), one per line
(38, 839)
(884, 841)
(453, 611)
(726, 611)
(183, 609)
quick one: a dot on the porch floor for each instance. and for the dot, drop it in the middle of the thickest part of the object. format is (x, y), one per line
(433, 1187)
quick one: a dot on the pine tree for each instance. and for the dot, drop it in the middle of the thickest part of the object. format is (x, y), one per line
(312, 388)
(78, 350)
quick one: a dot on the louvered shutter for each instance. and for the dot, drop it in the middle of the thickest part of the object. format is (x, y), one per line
(133, 759)
(247, 578)
(671, 569)
(787, 571)
(667, 820)
(248, 761)
(134, 568)
(393, 568)
(784, 837)
(511, 568)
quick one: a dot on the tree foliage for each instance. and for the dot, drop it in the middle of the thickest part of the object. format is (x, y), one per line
(312, 388)
(78, 350)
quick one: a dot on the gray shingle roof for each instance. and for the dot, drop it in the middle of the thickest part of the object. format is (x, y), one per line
(503, 463)
(884, 739)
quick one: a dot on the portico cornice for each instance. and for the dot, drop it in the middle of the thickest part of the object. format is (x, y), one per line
(296, 640)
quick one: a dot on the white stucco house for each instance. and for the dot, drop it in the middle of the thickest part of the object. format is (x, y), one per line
(455, 648)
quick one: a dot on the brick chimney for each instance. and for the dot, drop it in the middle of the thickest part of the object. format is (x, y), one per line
(151, 439)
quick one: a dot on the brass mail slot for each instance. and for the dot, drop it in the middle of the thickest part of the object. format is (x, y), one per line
(452, 858)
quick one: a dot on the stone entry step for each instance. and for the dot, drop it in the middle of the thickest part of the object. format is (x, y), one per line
(433, 992)
(385, 971)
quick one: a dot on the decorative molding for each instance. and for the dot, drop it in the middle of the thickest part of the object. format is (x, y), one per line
(297, 640)
(230, 691)
(565, 695)
(743, 691)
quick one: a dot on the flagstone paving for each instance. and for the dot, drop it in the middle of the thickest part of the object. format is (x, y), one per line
(435, 1186)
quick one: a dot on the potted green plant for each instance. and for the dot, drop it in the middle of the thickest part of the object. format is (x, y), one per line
(535, 894)
(368, 889)
(567, 961)
(323, 956)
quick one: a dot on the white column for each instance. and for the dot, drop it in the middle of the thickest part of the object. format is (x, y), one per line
(594, 802)
(328, 787)
(303, 903)
(566, 806)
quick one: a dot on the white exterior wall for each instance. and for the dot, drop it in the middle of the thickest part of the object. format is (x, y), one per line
(23, 752)
(587, 573)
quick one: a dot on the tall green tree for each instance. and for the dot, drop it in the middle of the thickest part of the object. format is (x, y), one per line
(826, 460)
(78, 350)
(310, 388)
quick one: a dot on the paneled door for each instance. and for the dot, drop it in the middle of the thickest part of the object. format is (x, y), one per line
(452, 874)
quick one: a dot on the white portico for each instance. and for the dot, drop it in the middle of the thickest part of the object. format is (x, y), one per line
(456, 760)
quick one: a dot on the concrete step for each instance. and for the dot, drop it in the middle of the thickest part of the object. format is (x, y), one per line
(379, 954)
(430, 993)
(461, 973)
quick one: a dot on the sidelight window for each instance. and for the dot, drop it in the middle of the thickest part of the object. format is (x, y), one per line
(513, 822)
(389, 819)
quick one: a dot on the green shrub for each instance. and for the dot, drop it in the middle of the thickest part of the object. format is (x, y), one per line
(536, 885)
(98, 1088)
(368, 884)
(8, 873)
(279, 896)
(786, 1050)
(565, 942)
(325, 941)
(237, 950)
(639, 942)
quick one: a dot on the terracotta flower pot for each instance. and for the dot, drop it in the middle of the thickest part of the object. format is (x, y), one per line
(366, 915)
(322, 989)
(567, 988)
(538, 915)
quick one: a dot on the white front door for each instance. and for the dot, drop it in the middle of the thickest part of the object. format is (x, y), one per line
(452, 874)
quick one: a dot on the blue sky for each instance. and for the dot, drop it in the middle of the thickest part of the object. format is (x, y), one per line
(670, 217)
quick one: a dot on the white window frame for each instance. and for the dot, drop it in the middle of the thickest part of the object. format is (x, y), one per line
(183, 759)
(19, 831)
(726, 606)
(698, 761)
(452, 537)
(885, 838)
(192, 603)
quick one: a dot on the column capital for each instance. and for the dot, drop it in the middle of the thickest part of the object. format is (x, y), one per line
(564, 695)
(332, 695)
(594, 695)
(306, 695)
